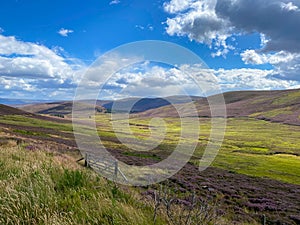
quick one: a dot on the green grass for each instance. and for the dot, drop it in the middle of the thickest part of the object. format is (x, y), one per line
(279, 167)
(289, 97)
(250, 146)
(152, 156)
(33, 122)
(27, 132)
(42, 188)
(274, 113)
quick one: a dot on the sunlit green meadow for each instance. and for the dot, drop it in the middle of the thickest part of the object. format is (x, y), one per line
(250, 146)
(253, 147)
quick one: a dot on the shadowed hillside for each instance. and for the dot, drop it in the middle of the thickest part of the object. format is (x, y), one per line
(138, 105)
(60, 109)
(7, 110)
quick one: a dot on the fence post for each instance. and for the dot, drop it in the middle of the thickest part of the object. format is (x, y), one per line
(86, 160)
(116, 169)
(264, 220)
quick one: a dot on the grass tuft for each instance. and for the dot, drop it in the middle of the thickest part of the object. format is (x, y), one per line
(36, 189)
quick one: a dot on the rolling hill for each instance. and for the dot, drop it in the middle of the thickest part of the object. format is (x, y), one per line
(61, 109)
(252, 147)
(275, 106)
(144, 104)
(139, 105)
(7, 110)
(20, 102)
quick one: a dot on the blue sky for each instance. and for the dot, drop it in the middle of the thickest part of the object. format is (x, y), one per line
(248, 45)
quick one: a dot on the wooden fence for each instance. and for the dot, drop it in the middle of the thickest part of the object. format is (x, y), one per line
(104, 166)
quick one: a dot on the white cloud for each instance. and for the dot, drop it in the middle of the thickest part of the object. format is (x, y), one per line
(176, 6)
(144, 80)
(28, 59)
(252, 79)
(35, 68)
(289, 6)
(212, 22)
(208, 21)
(286, 65)
(197, 20)
(115, 2)
(148, 27)
(263, 40)
(253, 57)
(65, 32)
(15, 84)
(1, 30)
(190, 80)
(140, 27)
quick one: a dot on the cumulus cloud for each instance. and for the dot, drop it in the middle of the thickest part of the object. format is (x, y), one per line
(286, 64)
(197, 20)
(289, 6)
(253, 57)
(31, 70)
(278, 20)
(252, 79)
(207, 21)
(213, 22)
(34, 68)
(65, 32)
(150, 81)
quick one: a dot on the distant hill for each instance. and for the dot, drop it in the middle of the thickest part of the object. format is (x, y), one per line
(11, 111)
(20, 102)
(136, 105)
(276, 106)
(7, 110)
(60, 109)
(141, 105)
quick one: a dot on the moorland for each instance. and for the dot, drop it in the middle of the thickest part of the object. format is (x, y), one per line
(254, 179)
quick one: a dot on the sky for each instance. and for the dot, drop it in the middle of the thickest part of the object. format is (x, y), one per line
(47, 46)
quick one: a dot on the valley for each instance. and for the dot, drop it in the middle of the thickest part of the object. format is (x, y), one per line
(255, 175)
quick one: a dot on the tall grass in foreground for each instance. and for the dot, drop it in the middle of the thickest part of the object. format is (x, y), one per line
(39, 187)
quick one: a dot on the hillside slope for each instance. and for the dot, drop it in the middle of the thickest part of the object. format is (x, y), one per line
(61, 109)
(7, 110)
(138, 105)
(275, 106)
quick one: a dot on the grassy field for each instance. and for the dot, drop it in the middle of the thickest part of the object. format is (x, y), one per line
(34, 122)
(252, 147)
(39, 176)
